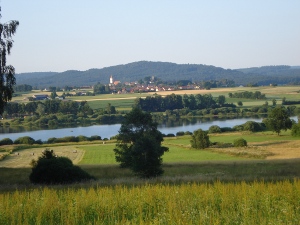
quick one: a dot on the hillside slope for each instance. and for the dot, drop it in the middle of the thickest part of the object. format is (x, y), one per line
(163, 70)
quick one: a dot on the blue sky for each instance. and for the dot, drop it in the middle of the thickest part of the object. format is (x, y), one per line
(59, 35)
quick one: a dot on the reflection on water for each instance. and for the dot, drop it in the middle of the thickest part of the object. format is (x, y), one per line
(107, 131)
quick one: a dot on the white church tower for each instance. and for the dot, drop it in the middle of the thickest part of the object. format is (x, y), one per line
(111, 80)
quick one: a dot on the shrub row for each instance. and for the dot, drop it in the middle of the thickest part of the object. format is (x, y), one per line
(30, 141)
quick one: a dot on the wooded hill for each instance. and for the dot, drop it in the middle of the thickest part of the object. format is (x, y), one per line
(163, 70)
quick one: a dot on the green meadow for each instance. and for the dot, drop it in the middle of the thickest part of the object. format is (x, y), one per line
(257, 184)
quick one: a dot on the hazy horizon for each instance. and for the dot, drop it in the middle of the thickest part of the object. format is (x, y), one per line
(80, 35)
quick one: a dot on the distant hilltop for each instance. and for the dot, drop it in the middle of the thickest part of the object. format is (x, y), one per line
(166, 71)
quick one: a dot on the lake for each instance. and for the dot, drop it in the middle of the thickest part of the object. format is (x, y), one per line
(107, 131)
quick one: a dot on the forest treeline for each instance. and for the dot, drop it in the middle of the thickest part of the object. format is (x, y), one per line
(165, 71)
(247, 94)
(47, 107)
(157, 103)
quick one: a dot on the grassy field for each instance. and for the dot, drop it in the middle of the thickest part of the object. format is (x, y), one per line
(191, 203)
(22, 158)
(258, 184)
(124, 101)
(120, 104)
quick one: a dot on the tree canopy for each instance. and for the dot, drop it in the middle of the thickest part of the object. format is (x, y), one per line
(279, 119)
(200, 139)
(7, 72)
(139, 144)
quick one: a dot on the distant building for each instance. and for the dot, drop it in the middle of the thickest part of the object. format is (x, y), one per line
(111, 80)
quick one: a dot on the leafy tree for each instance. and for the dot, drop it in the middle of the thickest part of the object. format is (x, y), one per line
(200, 139)
(7, 72)
(40, 109)
(53, 95)
(296, 129)
(278, 119)
(240, 103)
(139, 144)
(110, 109)
(25, 140)
(221, 100)
(240, 142)
(214, 129)
(6, 141)
(50, 169)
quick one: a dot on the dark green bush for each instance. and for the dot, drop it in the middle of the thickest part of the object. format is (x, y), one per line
(214, 129)
(51, 140)
(50, 169)
(180, 133)
(67, 139)
(188, 133)
(82, 138)
(238, 128)
(221, 145)
(39, 142)
(252, 126)
(6, 141)
(296, 130)
(226, 129)
(240, 142)
(95, 138)
(25, 140)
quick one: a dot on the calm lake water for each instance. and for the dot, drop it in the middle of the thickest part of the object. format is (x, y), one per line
(107, 131)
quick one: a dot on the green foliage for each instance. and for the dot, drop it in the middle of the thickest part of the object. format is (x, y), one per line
(240, 142)
(252, 126)
(50, 169)
(6, 141)
(95, 138)
(7, 72)
(25, 140)
(248, 94)
(200, 139)
(157, 103)
(101, 89)
(139, 144)
(296, 130)
(22, 88)
(278, 119)
(214, 129)
(180, 133)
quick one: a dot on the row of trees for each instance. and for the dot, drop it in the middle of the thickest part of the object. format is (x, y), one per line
(247, 94)
(157, 103)
(101, 89)
(22, 88)
(47, 107)
(26, 140)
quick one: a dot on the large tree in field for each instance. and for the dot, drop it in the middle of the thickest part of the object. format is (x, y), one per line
(200, 139)
(7, 72)
(279, 119)
(139, 144)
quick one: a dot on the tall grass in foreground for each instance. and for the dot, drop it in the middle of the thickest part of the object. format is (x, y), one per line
(218, 203)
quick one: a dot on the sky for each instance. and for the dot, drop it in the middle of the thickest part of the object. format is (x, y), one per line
(60, 35)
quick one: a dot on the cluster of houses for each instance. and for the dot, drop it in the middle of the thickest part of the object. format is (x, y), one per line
(128, 87)
(135, 87)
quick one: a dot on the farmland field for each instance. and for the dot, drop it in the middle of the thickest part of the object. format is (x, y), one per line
(192, 203)
(257, 184)
(124, 101)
